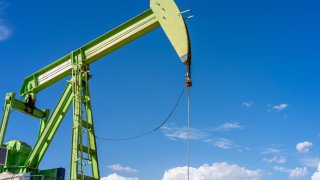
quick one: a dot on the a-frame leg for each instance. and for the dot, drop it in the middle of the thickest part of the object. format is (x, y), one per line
(88, 124)
(84, 150)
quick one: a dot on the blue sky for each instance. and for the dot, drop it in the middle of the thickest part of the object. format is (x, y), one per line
(255, 100)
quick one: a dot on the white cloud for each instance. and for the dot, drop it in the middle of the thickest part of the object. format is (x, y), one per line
(316, 175)
(118, 167)
(304, 147)
(310, 162)
(276, 159)
(280, 107)
(272, 151)
(182, 133)
(115, 176)
(292, 173)
(229, 126)
(5, 31)
(175, 133)
(247, 104)
(223, 143)
(217, 171)
(298, 172)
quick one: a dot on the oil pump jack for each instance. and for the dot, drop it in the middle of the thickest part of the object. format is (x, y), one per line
(18, 157)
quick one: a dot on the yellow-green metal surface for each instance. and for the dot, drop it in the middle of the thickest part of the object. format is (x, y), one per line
(172, 22)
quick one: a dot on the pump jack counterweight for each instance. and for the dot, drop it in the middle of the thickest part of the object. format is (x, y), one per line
(22, 158)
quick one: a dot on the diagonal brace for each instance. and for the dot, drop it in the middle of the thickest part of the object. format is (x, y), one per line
(51, 128)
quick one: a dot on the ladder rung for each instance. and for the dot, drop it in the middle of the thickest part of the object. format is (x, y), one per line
(79, 176)
(88, 159)
(86, 149)
(86, 124)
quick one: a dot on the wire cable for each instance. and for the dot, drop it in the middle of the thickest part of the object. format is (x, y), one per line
(147, 132)
(188, 148)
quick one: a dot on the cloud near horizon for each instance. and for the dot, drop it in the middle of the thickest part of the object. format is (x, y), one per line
(216, 171)
(292, 173)
(115, 176)
(316, 175)
(119, 167)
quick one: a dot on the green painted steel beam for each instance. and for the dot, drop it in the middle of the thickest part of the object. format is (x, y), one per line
(25, 108)
(83, 149)
(5, 117)
(76, 147)
(89, 125)
(92, 51)
(164, 13)
(50, 129)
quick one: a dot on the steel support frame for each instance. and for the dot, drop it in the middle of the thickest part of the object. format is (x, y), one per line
(82, 153)
(163, 13)
(49, 128)
(5, 117)
(6, 114)
(76, 91)
(12, 103)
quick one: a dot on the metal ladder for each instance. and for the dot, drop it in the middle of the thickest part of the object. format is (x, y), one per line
(84, 149)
